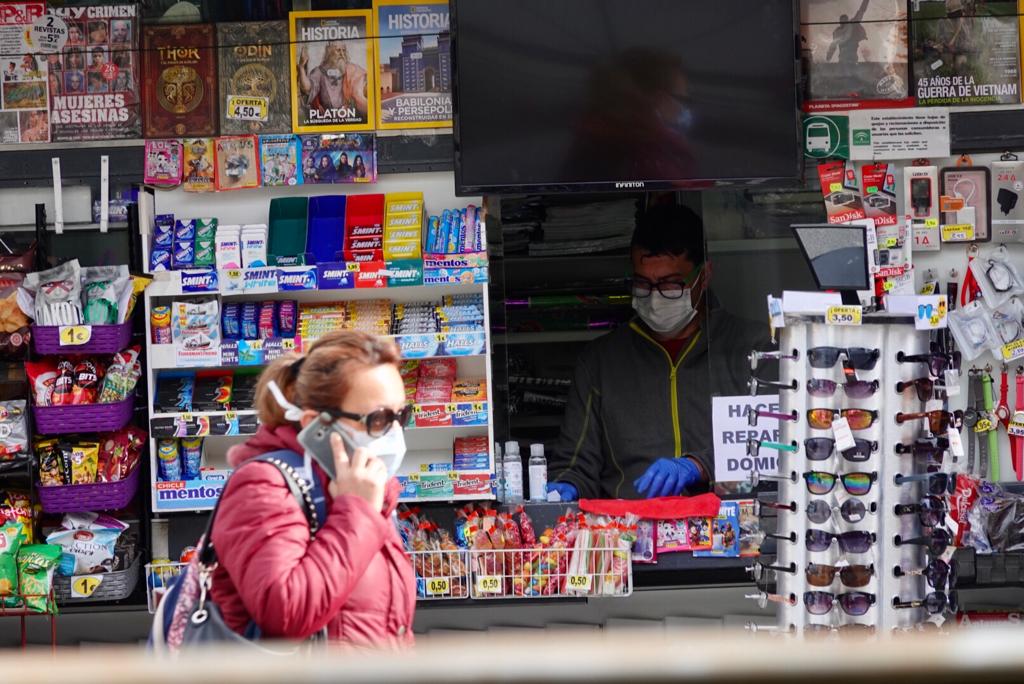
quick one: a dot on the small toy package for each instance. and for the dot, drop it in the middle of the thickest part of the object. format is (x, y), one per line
(645, 549)
(163, 163)
(36, 565)
(725, 533)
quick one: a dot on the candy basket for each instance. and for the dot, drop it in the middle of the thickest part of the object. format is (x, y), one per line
(106, 586)
(103, 339)
(81, 498)
(61, 420)
(440, 574)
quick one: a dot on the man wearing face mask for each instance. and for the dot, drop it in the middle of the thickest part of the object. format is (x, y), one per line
(638, 420)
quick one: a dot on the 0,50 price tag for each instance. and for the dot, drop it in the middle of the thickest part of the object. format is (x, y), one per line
(74, 335)
(438, 586)
(580, 582)
(488, 584)
(247, 108)
(844, 315)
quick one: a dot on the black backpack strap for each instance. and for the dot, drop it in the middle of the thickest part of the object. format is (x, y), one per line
(309, 496)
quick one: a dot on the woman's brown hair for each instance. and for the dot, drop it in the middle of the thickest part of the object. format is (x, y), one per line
(321, 378)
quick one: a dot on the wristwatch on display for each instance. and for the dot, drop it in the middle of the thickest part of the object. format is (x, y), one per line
(971, 416)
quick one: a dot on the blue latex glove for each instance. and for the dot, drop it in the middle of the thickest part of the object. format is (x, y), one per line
(667, 477)
(567, 491)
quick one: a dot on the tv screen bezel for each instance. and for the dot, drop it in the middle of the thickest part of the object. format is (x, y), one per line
(626, 184)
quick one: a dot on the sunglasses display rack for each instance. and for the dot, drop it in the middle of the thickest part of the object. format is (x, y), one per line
(858, 540)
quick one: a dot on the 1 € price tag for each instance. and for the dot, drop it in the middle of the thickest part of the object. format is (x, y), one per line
(844, 315)
(580, 582)
(74, 335)
(488, 584)
(843, 435)
(438, 586)
(85, 586)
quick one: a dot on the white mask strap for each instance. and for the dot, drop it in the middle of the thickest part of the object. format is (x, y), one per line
(291, 411)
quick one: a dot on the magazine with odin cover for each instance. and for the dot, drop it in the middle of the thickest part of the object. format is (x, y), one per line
(855, 54)
(254, 95)
(180, 81)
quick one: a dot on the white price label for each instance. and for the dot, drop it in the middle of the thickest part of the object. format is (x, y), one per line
(49, 34)
(843, 435)
(956, 445)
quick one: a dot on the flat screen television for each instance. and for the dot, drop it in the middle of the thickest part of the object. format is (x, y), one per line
(605, 95)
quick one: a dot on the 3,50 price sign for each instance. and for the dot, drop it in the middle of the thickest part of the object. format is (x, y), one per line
(844, 315)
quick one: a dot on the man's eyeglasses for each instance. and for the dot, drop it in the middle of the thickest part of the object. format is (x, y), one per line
(669, 289)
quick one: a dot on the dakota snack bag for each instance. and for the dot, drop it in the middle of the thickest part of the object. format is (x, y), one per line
(11, 537)
(36, 565)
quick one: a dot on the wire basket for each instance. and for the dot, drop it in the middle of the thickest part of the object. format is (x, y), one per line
(81, 498)
(440, 575)
(103, 339)
(62, 420)
(105, 586)
(581, 571)
(159, 577)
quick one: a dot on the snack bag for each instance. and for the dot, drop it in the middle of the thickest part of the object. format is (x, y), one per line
(90, 550)
(36, 565)
(85, 387)
(48, 453)
(13, 429)
(64, 384)
(104, 288)
(42, 375)
(12, 535)
(84, 462)
(122, 376)
(54, 295)
(16, 507)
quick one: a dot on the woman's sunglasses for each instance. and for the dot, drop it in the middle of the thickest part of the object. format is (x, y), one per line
(852, 511)
(856, 484)
(821, 448)
(377, 423)
(937, 542)
(938, 573)
(938, 362)
(925, 387)
(859, 358)
(854, 389)
(937, 484)
(935, 603)
(853, 603)
(859, 419)
(938, 421)
(849, 542)
(931, 511)
(855, 576)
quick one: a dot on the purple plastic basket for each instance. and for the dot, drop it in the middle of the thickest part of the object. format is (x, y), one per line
(62, 420)
(102, 496)
(105, 339)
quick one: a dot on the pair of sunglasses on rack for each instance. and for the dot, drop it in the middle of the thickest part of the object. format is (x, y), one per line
(935, 603)
(938, 421)
(936, 542)
(822, 448)
(820, 512)
(855, 576)
(859, 419)
(859, 358)
(932, 449)
(856, 484)
(849, 542)
(939, 574)
(854, 389)
(853, 603)
(936, 484)
(925, 387)
(938, 362)
(931, 511)
(756, 357)
(754, 447)
(753, 415)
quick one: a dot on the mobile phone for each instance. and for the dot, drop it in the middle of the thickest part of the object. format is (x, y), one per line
(316, 439)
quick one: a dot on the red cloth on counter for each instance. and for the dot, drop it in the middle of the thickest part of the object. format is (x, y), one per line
(662, 508)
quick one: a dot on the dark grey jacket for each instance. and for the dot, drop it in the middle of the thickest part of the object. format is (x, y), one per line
(631, 404)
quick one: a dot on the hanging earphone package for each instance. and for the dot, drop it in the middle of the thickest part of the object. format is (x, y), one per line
(1008, 321)
(997, 276)
(1008, 201)
(964, 204)
(973, 330)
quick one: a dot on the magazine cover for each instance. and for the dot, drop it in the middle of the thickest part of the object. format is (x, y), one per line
(966, 52)
(855, 54)
(414, 66)
(96, 95)
(344, 158)
(198, 165)
(254, 95)
(163, 163)
(280, 160)
(25, 86)
(332, 76)
(238, 164)
(180, 83)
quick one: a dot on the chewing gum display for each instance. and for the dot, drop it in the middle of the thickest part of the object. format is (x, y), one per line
(228, 247)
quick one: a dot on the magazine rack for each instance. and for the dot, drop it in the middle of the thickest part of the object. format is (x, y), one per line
(889, 335)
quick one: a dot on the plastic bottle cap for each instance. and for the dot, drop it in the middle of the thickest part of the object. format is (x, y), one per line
(512, 448)
(536, 449)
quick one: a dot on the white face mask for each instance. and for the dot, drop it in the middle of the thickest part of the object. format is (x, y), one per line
(389, 448)
(663, 315)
